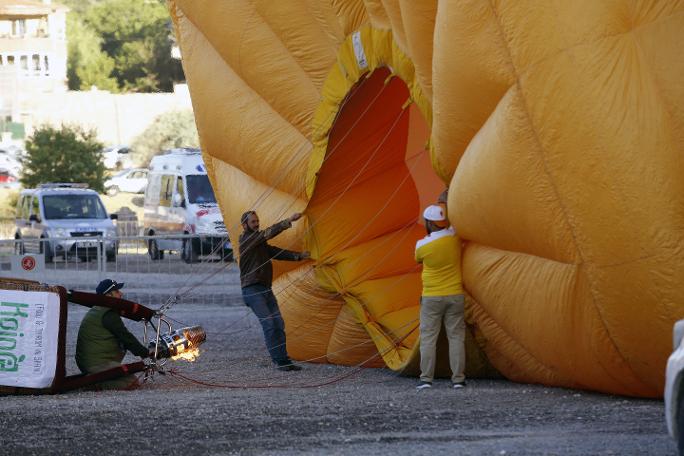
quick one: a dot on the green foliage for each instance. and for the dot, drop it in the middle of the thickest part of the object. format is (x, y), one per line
(65, 154)
(134, 39)
(168, 131)
(88, 65)
(8, 203)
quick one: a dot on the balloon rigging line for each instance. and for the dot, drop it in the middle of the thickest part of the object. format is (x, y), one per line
(218, 270)
(311, 226)
(393, 283)
(406, 232)
(284, 172)
(354, 180)
(328, 381)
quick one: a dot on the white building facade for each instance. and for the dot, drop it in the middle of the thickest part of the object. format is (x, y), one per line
(33, 55)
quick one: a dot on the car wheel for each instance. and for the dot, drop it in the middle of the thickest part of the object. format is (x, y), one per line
(228, 255)
(191, 250)
(113, 190)
(111, 257)
(46, 250)
(153, 250)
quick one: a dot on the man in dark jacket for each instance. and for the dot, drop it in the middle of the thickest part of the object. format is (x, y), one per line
(256, 277)
(103, 340)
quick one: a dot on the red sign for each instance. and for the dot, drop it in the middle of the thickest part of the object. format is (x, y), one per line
(28, 263)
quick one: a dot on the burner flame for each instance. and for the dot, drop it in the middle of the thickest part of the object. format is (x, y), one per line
(190, 354)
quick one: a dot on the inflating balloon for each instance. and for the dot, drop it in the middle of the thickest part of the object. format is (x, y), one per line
(558, 127)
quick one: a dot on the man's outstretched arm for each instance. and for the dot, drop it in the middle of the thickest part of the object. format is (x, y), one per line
(277, 253)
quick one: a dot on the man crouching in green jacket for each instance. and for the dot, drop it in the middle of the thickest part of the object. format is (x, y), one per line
(103, 340)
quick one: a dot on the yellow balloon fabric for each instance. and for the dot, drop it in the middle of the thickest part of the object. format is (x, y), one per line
(558, 127)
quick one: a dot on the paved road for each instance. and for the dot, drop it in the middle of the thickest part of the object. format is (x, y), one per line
(257, 410)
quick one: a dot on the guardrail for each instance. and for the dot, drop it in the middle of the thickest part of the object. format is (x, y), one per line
(150, 265)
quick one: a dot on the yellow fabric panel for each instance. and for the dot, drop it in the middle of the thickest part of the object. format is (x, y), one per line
(310, 314)
(351, 14)
(471, 73)
(377, 15)
(310, 34)
(398, 292)
(225, 103)
(500, 157)
(246, 46)
(350, 343)
(576, 138)
(419, 24)
(667, 65)
(565, 342)
(393, 11)
(559, 127)
(381, 256)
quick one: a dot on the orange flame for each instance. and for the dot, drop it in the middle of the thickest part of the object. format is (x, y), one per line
(191, 354)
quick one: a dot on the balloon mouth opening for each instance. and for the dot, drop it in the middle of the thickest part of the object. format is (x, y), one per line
(366, 209)
(377, 165)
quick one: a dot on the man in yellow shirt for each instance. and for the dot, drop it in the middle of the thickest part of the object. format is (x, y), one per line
(442, 298)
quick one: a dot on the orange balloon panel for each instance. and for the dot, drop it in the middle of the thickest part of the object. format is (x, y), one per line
(558, 126)
(363, 213)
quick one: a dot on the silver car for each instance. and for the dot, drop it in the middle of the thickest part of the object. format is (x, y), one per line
(64, 220)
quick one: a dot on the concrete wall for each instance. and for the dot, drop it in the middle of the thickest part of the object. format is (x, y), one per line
(118, 118)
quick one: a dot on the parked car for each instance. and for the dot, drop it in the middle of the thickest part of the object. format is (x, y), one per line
(129, 180)
(64, 220)
(7, 179)
(674, 388)
(117, 157)
(179, 200)
(10, 163)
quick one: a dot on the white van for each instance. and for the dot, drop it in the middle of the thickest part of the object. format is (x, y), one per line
(179, 200)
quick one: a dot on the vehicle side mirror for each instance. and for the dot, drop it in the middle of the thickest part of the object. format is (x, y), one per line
(33, 218)
(114, 216)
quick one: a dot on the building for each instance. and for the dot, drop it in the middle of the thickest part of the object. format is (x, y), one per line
(34, 87)
(33, 56)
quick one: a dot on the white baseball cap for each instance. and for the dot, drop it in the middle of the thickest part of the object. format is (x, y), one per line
(434, 213)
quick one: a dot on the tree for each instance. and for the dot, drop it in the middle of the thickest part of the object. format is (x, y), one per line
(65, 154)
(169, 130)
(137, 36)
(121, 45)
(88, 65)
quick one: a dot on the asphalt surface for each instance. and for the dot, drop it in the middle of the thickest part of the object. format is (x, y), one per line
(253, 409)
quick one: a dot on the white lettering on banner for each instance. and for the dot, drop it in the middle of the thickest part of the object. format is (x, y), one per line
(358, 51)
(29, 330)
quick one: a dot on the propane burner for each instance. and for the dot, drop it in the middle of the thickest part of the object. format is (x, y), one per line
(181, 343)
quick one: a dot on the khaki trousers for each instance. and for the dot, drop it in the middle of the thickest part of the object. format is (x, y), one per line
(434, 310)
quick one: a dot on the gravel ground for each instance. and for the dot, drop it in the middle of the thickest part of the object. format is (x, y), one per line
(360, 412)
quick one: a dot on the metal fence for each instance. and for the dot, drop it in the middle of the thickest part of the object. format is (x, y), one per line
(80, 263)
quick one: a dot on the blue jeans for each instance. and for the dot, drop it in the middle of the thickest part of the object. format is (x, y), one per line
(262, 301)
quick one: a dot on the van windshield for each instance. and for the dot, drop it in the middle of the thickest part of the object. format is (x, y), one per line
(199, 189)
(73, 207)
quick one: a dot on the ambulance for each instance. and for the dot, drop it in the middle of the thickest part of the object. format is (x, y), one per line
(180, 210)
